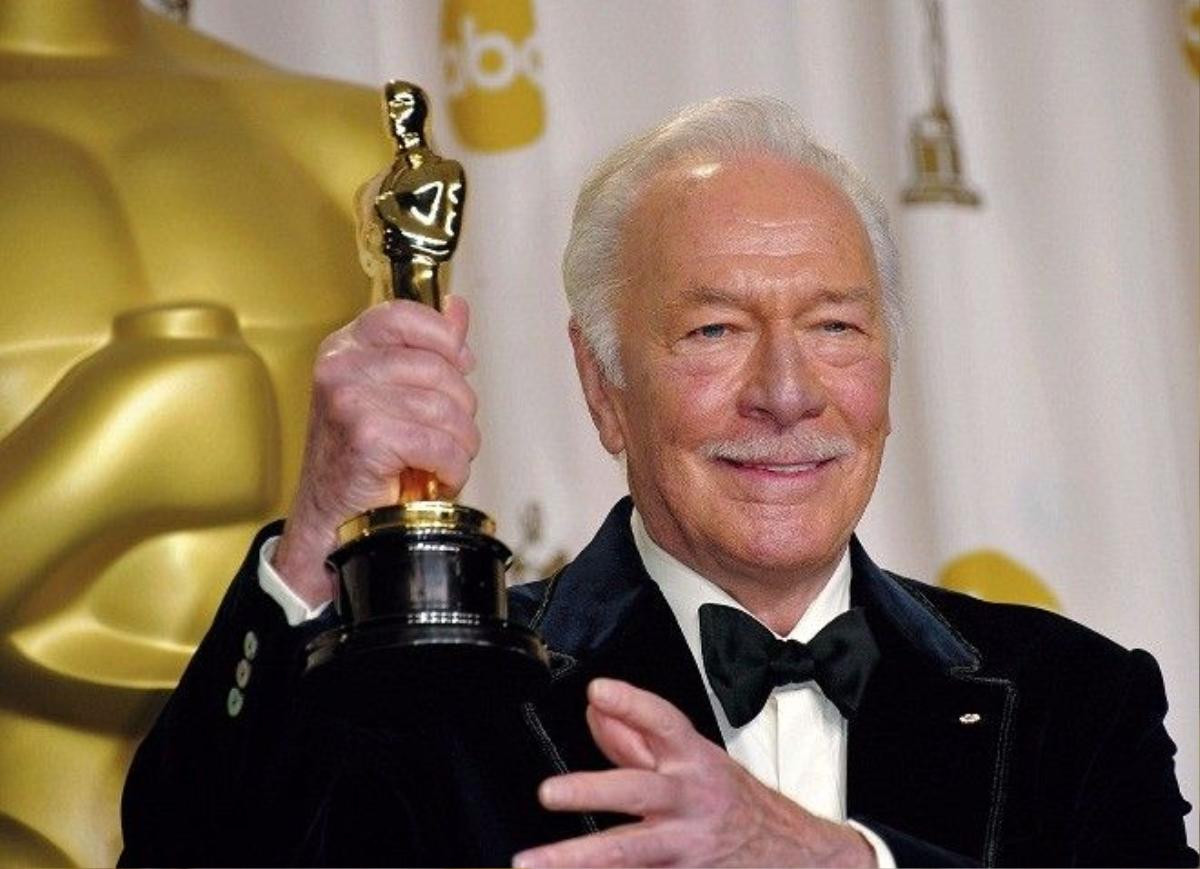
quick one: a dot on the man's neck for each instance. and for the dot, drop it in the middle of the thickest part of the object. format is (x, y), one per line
(69, 27)
(779, 607)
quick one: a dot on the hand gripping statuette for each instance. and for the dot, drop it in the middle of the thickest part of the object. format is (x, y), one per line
(421, 590)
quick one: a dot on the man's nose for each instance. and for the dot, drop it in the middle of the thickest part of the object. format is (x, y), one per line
(782, 384)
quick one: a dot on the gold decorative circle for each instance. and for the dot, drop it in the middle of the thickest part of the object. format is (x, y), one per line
(989, 574)
(416, 515)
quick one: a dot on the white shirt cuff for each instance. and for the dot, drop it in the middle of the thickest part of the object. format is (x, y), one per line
(883, 854)
(295, 610)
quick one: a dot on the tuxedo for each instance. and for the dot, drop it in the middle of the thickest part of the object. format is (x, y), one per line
(988, 734)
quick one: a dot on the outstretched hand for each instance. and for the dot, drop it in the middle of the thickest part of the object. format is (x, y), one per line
(697, 806)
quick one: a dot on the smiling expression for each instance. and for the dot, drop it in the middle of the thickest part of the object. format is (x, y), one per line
(755, 405)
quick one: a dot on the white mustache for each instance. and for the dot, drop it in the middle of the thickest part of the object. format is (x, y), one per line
(799, 447)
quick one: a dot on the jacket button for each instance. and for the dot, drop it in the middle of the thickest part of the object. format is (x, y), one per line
(241, 674)
(234, 702)
(250, 645)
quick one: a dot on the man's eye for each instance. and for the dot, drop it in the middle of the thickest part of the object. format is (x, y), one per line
(836, 327)
(711, 330)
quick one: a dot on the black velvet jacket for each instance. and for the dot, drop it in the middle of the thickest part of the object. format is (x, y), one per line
(989, 734)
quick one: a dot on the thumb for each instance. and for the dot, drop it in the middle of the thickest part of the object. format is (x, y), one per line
(458, 312)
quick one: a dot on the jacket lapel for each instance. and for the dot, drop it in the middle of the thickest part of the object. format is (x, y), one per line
(604, 616)
(928, 750)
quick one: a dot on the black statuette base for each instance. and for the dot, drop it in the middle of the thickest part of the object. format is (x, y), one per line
(424, 622)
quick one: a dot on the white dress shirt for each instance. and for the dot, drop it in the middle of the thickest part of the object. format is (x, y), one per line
(796, 745)
(295, 610)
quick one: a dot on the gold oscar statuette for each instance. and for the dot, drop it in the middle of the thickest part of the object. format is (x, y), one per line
(421, 590)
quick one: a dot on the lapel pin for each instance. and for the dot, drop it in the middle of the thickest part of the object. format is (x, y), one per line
(970, 718)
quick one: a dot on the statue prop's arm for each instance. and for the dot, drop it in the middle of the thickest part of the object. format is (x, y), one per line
(108, 444)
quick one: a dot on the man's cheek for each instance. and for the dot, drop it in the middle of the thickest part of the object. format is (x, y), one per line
(864, 401)
(683, 404)
(707, 396)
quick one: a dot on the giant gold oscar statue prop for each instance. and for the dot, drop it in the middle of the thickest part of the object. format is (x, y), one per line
(176, 238)
(421, 583)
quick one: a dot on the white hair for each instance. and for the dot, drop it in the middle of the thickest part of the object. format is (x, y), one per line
(719, 128)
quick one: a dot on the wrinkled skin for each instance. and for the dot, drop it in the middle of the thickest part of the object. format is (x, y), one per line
(698, 807)
(389, 393)
(753, 415)
(752, 327)
(753, 418)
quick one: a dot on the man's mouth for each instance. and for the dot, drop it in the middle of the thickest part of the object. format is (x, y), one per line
(788, 468)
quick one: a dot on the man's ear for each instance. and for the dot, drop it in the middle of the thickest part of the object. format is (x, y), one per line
(603, 398)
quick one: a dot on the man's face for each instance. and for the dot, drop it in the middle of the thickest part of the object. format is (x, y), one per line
(755, 404)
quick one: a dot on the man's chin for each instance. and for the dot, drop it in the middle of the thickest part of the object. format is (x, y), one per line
(783, 548)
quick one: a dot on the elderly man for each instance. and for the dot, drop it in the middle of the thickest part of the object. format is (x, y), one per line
(735, 682)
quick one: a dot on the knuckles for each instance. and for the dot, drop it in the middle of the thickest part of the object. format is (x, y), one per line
(439, 407)
(472, 403)
(386, 318)
(342, 403)
(337, 363)
(383, 401)
(364, 435)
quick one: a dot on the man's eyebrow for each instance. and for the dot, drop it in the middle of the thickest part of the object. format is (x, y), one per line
(843, 295)
(708, 295)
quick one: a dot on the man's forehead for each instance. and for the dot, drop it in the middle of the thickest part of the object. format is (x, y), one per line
(752, 195)
(746, 205)
(771, 176)
(746, 236)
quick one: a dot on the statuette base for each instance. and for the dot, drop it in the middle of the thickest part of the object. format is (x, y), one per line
(421, 594)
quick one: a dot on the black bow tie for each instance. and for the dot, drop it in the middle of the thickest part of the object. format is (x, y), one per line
(745, 662)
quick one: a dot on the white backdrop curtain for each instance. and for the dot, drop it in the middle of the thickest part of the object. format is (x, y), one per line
(1045, 403)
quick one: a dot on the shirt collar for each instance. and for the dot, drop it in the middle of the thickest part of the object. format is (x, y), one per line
(685, 591)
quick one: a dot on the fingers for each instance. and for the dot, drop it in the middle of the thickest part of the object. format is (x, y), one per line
(389, 394)
(629, 791)
(456, 310)
(402, 322)
(391, 386)
(630, 845)
(385, 374)
(619, 742)
(667, 732)
(409, 411)
(435, 410)
(376, 447)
